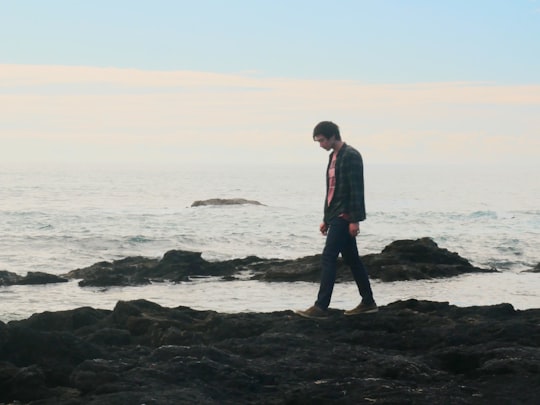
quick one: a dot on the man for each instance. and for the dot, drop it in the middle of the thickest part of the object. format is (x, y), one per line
(344, 208)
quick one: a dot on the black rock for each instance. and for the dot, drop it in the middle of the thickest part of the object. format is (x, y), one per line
(124, 272)
(9, 278)
(416, 352)
(417, 259)
(224, 201)
(401, 260)
(32, 277)
(37, 277)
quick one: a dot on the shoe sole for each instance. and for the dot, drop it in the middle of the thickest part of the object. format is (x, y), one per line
(304, 315)
(369, 311)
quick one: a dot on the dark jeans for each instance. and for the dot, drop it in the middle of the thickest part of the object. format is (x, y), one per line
(338, 240)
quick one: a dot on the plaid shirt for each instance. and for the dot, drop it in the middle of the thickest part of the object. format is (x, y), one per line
(348, 199)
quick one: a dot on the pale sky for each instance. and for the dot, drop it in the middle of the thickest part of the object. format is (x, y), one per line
(237, 81)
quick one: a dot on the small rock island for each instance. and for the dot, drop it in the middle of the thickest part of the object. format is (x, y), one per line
(224, 201)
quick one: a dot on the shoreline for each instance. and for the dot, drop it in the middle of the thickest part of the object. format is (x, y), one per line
(406, 269)
(519, 290)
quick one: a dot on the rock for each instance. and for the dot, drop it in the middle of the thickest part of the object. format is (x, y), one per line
(411, 351)
(417, 259)
(178, 265)
(8, 278)
(224, 201)
(175, 266)
(28, 384)
(303, 269)
(124, 272)
(401, 260)
(38, 277)
(535, 269)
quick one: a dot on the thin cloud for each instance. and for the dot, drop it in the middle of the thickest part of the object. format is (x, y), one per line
(116, 108)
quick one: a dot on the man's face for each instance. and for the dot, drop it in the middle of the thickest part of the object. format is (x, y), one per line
(325, 143)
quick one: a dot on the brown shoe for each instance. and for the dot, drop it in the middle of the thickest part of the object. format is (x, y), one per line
(313, 312)
(363, 309)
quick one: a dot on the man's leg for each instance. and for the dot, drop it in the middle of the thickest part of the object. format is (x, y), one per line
(335, 241)
(352, 259)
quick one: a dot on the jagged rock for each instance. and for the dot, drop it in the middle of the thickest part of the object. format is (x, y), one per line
(175, 266)
(9, 278)
(411, 351)
(401, 260)
(224, 201)
(128, 271)
(417, 259)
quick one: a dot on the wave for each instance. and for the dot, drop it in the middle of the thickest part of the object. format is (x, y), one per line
(510, 265)
(139, 239)
(483, 214)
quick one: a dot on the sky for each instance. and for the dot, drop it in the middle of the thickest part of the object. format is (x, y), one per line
(244, 82)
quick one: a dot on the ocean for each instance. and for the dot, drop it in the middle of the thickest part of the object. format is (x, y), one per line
(58, 218)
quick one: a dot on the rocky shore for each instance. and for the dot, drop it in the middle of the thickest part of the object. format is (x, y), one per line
(410, 352)
(400, 260)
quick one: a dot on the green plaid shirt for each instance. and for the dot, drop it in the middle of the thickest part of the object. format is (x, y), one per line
(348, 199)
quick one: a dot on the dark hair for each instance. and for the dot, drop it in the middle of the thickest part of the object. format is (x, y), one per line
(327, 129)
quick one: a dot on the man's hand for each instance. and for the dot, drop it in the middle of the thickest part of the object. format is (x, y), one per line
(354, 229)
(323, 227)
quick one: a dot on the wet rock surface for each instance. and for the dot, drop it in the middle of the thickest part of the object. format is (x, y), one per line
(32, 277)
(410, 352)
(175, 266)
(401, 260)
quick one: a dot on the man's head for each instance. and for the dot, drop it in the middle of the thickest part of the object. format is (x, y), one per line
(327, 129)
(327, 134)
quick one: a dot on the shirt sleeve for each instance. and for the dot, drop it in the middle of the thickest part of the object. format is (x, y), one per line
(355, 178)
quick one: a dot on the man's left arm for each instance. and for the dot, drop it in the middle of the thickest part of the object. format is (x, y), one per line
(357, 208)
